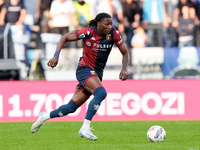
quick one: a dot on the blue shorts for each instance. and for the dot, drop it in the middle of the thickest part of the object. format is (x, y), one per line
(83, 73)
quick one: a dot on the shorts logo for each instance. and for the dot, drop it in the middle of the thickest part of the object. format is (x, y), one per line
(81, 36)
(108, 37)
(93, 72)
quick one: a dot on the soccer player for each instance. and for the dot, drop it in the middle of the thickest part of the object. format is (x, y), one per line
(98, 40)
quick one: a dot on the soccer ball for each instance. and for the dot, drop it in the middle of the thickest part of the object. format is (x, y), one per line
(156, 134)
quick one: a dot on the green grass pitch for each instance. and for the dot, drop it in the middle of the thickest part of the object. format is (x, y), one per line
(112, 135)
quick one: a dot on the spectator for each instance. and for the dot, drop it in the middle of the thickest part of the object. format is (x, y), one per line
(13, 12)
(103, 6)
(197, 11)
(117, 14)
(178, 11)
(132, 15)
(93, 7)
(42, 14)
(170, 38)
(154, 14)
(140, 38)
(153, 11)
(61, 18)
(185, 28)
(170, 6)
(29, 18)
(30, 10)
(83, 12)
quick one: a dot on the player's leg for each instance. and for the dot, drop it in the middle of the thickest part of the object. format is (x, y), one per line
(94, 86)
(77, 100)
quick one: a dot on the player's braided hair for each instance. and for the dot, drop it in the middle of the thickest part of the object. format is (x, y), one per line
(98, 18)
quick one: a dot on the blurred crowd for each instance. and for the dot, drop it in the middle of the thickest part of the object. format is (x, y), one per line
(142, 23)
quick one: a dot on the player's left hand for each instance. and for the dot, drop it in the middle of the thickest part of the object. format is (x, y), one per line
(123, 75)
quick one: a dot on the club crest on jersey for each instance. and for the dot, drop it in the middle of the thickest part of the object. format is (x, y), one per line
(81, 36)
(93, 72)
(108, 37)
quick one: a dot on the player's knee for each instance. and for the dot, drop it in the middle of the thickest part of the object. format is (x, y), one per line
(103, 93)
(100, 92)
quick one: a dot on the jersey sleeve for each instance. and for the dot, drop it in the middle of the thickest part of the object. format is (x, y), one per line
(83, 33)
(117, 38)
(5, 6)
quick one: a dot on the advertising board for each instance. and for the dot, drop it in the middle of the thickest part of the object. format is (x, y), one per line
(173, 99)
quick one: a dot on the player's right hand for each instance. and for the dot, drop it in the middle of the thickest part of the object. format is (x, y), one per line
(53, 62)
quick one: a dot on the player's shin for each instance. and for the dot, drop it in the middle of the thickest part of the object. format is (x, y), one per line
(99, 95)
(64, 109)
(85, 131)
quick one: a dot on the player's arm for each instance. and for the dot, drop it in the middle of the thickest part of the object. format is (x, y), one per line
(125, 61)
(71, 36)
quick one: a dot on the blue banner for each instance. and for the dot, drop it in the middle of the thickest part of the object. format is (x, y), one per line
(181, 63)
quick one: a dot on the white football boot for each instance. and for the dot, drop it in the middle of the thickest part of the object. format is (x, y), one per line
(86, 132)
(36, 126)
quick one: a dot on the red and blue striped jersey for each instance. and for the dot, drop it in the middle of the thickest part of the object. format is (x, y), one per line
(96, 48)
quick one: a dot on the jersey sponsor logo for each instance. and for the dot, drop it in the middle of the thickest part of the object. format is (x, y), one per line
(81, 36)
(102, 45)
(108, 37)
(88, 43)
(93, 72)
